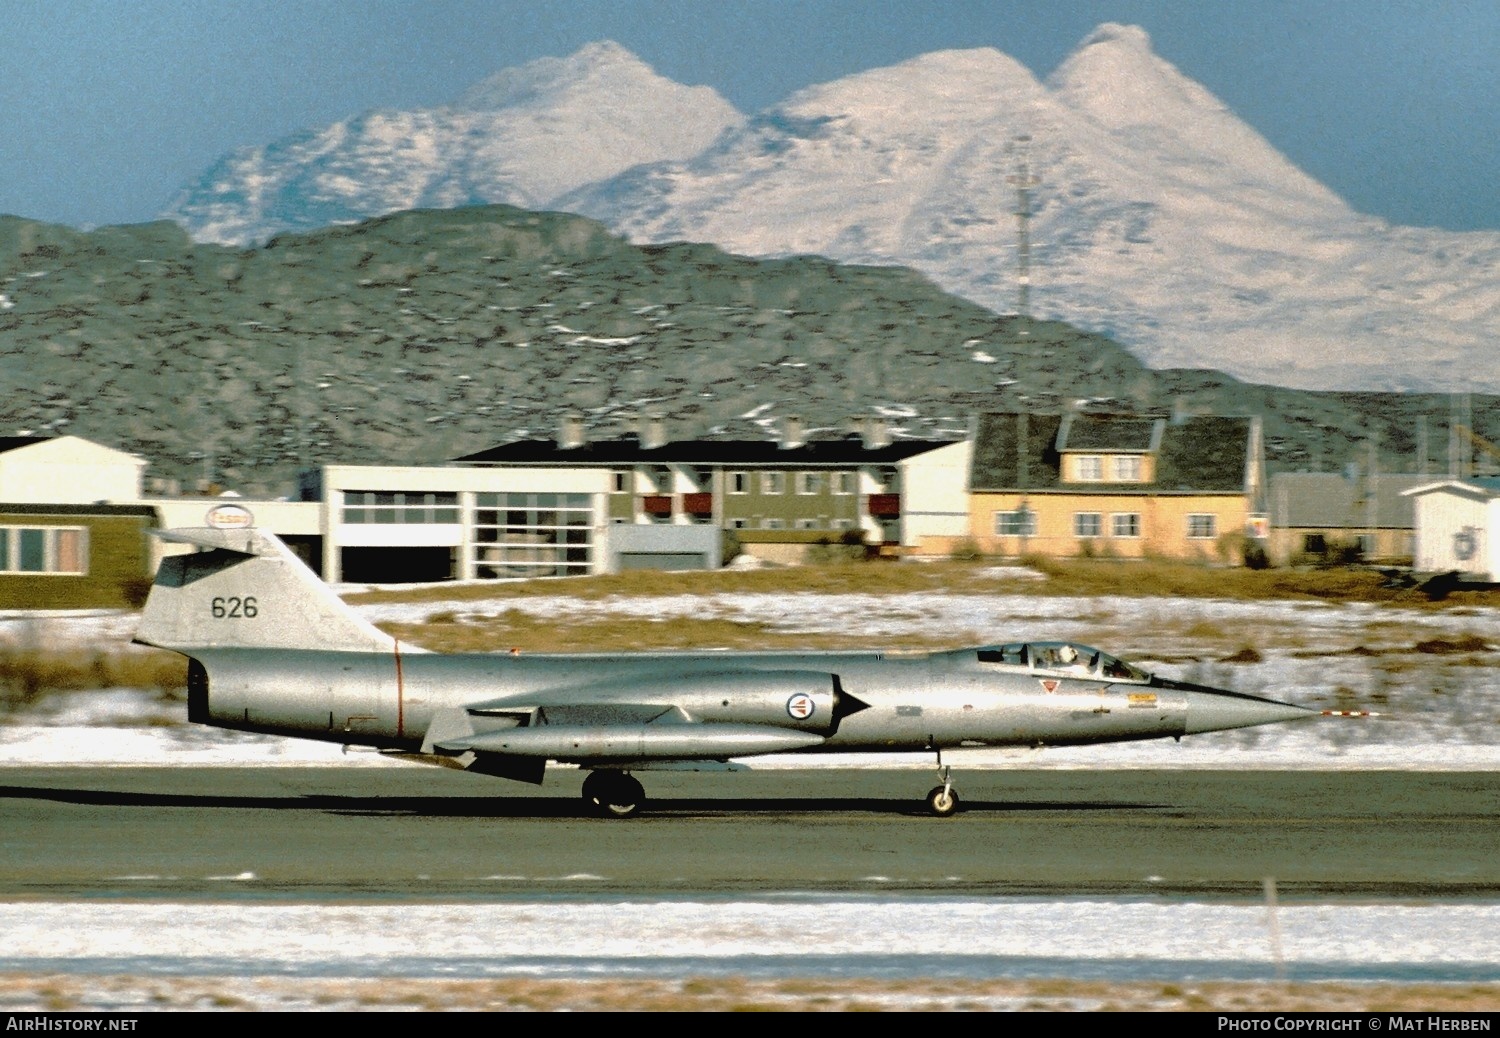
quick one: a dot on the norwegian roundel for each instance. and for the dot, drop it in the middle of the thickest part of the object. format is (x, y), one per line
(801, 706)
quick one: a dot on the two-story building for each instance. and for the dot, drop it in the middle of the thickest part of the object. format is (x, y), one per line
(1115, 485)
(777, 497)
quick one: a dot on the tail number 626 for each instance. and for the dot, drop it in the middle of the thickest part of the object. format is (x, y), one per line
(234, 607)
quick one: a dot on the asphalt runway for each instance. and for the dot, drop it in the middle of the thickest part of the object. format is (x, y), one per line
(417, 832)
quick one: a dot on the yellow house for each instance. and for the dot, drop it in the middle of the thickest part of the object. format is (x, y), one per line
(1115, 485)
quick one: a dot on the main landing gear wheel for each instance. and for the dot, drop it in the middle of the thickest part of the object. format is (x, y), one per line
(942, 801)
(613, 794)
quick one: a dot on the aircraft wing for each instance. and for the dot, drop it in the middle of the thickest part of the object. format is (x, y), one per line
(702, 717)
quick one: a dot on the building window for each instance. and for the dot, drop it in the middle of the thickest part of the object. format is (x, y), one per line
(842, 524)
(739, 482)
(1128, 468)
(1088, 524)
(844, 483)
(739, 524)
(620, 481)
(44, 549)
(809, 482)
(772, 524)
(1202, 526)
(771, 483)
(1020, 523)
(1090, 468)
(1125, 524)
(532, 535)
(811, 524)
(399, 507)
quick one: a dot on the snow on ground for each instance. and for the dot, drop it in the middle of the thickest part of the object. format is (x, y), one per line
(973, 938)
(1439, 709)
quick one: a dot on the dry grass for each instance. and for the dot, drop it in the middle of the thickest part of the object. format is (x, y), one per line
(27, 675)
(1163, 578)
(22, 993)
(515, 629)
(1072, 577)
(879, 577)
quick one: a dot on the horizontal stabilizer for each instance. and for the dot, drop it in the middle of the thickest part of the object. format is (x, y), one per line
(244, 541)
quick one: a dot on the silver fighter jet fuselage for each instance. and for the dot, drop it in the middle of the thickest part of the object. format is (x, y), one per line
(273, 650)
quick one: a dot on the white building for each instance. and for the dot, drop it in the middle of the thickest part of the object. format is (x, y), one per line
(402, 523)
(935, 518)
(1458, 527)
(67, 470)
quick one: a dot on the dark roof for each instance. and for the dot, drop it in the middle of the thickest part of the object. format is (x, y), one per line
(761, 453)
(10, 443)
(1205, 453)
(1103, 433)
(148, 511)
(1200, 454)
(1016, 451)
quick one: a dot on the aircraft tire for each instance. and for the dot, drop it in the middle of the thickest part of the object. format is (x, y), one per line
(593, 789)
(618, 795)
(942, 801)
(620, 810)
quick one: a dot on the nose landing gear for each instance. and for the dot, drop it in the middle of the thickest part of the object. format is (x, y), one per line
(942, 800)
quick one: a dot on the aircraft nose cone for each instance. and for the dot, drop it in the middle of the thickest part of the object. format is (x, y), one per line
(1216, 711)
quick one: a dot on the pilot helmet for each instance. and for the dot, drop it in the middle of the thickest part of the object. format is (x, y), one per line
(1067, 654)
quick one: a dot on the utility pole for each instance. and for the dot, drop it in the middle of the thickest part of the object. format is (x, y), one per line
(1023, 477)
(1023, 182)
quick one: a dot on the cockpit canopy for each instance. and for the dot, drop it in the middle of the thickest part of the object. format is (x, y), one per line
(1068, 659)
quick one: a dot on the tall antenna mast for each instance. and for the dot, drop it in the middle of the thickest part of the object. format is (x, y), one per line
(1023, 182)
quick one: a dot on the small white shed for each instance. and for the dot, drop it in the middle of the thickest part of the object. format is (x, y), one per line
(1458, 527)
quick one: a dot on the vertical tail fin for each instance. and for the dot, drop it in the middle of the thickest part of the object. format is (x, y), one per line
(246, 589)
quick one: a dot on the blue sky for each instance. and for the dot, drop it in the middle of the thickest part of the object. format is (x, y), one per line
(107, 108)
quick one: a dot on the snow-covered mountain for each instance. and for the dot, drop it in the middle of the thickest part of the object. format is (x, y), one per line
(521, 137)
(1158, 216)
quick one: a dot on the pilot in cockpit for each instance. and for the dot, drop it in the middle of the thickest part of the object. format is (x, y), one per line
(1068, 659)
(1062, 657)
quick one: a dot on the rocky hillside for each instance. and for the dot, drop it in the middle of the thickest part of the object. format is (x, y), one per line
(426, 335)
